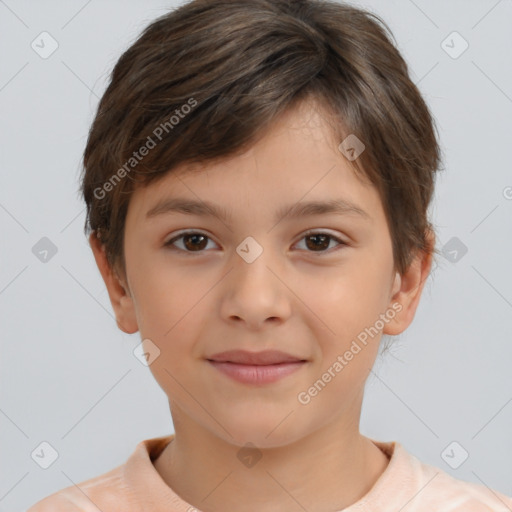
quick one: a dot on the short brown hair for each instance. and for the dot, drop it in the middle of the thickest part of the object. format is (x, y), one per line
(213, 74)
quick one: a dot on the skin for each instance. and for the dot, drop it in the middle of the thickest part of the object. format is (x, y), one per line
(310, 303)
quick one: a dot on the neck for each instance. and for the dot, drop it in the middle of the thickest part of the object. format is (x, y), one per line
(330, 469)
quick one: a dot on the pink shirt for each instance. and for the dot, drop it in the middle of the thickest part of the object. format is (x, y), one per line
(406, 485)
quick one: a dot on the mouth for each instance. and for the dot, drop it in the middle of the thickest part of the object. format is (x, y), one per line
(263, 358)
(257, 374)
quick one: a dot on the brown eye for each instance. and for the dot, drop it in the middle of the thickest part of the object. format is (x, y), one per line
(192, 241)
(319, 242)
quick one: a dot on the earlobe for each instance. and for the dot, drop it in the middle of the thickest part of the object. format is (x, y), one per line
(120, 298)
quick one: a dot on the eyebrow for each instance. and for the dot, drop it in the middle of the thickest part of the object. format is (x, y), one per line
(338, 206)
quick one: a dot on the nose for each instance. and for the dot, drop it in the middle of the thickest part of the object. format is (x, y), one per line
(255, 292)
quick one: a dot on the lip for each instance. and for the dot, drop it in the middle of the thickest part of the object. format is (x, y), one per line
(257, 374)
(256, 368)
(265, 357)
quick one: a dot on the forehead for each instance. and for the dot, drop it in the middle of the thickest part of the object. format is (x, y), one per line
(297, 160)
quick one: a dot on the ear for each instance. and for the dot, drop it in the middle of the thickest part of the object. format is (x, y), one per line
(120, 298)
(407, 289)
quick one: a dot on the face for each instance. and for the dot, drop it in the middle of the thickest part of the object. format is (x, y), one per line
(318, 286)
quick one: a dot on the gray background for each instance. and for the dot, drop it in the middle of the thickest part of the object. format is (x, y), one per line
(68, 375)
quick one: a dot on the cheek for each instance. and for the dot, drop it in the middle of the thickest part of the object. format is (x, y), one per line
(165, 296)
(352, 289)
(346, 302)
(171, 321)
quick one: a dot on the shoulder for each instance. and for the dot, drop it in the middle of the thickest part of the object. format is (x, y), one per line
(122, 489)
(55, 503)
(424, 487)
(103, 493)
(456, 495)
(463, 496)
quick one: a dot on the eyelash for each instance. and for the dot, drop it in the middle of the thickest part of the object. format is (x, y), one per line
(340, 242)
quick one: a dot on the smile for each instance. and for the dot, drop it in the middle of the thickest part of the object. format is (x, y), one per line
(257, 374)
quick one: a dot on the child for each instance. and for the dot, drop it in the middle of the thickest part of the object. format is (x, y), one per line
(286, 141)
